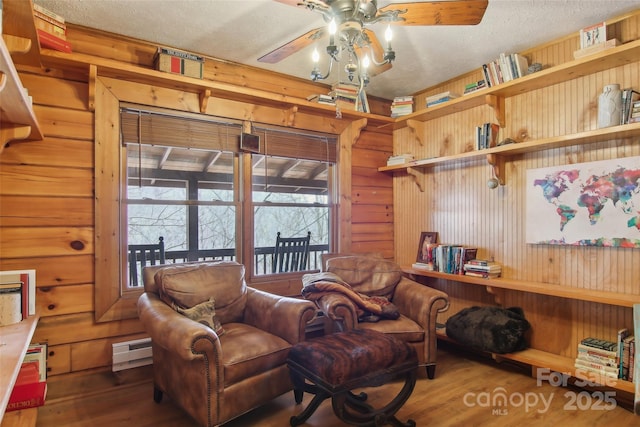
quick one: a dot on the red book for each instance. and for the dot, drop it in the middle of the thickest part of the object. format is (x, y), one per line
(29, 391)
(52, 42)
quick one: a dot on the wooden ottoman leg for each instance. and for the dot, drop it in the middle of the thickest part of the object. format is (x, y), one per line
(366, 415)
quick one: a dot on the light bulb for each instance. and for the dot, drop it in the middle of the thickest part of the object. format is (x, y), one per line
(388, 34)
(365, 63)
(315, 56)
(332, 27)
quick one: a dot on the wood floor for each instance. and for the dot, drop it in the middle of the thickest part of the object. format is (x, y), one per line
(462, 394)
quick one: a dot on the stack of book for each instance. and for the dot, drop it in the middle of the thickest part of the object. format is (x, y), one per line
(630, 98)
(399, 159)
(51, 29)
(30, 388)
(482, 268)
(472, 87)
(401, 106)
(486, 135)
(439, 98)
(505, 68)
(598, 356)
(345, 95)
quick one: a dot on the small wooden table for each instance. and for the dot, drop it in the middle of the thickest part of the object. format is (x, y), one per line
(334, 365)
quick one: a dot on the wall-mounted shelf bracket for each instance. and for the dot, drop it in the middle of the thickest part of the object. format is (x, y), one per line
(91, 100)
(418, 177)
(497, 162)
(290, 114)
(204, 100)
(496, 293)
(417, 127)
(497, 104)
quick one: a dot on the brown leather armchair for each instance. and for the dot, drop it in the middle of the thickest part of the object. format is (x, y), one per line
(215, 377)
(372, 275)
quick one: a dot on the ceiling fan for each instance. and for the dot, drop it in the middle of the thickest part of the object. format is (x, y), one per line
(351, 19)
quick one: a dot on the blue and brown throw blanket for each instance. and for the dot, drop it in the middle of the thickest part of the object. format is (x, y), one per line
(317, 285)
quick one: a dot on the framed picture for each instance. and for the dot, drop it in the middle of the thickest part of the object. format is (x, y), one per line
(250, 142)
(428, 240)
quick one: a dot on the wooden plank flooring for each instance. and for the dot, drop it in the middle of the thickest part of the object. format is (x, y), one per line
(462, 394)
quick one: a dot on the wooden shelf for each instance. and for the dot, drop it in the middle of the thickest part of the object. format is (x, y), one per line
(14, 341)
(16, 112)
(132, 73)
(553, 362)
(615, 57)
(601, 297)
(615, 132)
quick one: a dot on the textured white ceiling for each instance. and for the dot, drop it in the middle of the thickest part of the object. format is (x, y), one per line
(244, 30)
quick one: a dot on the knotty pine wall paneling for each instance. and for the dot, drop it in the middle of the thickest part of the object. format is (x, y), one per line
(458, 205)
(47, 214)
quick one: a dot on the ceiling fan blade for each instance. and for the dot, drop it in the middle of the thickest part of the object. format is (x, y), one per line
(292, 47)
(460, 12)
(375, 50)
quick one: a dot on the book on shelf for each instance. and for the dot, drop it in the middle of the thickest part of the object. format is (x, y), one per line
(401, 106)
(30, 389)
(593, 35)
(51, 28)
(48, 13)
(26, 280)
(597, 352)
(50, 41)
(629, 98)
(504, 68)
(425, 266)
(10, 303)
(487, 135)
(599, 343)
(627, 360)
(622, 334)
(452, 258)
(400, 159)
(475, 86)
(439, 98)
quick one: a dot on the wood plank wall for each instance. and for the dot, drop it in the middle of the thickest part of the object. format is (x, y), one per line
(459, 206)
(47, 199)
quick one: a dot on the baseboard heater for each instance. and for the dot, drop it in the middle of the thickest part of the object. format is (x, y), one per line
(131, 354)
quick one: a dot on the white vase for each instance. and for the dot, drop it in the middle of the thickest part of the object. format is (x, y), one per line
(610, 106)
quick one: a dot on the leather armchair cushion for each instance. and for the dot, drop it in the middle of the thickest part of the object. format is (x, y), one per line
(402, 328)
(367, 275)
(249, 351)
(187, 285)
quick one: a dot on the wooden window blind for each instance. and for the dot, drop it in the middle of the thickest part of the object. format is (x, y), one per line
(157, 127)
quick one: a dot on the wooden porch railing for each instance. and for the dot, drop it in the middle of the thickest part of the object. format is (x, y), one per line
(262, 257)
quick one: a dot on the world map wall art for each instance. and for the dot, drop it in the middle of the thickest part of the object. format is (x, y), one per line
(585, 204)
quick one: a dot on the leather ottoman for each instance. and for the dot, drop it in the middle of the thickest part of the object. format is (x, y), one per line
(334, 365)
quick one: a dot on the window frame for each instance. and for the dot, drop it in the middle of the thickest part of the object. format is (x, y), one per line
(110, 302)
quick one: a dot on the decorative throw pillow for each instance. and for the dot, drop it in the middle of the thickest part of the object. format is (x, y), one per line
(204, 313)
(493, 329)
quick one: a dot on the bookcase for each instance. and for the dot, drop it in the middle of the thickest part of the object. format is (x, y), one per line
(19, 40)
(424, 173)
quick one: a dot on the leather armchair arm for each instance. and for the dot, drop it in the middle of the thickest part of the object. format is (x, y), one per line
(285, 317)
(420, 303)
(176, 333)
(340, 309)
